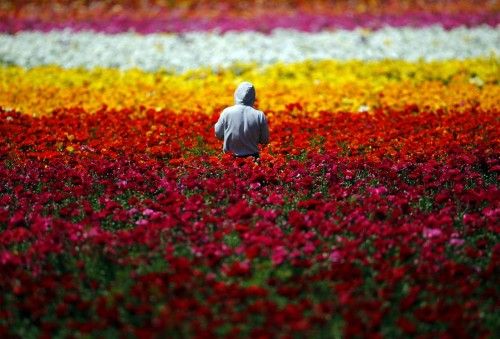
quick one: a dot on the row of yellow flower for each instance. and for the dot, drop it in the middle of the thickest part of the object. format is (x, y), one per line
(314, 86)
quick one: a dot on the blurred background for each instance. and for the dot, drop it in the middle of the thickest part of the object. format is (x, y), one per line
(148, 16)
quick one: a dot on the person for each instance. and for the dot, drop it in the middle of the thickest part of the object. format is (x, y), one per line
(242, 127)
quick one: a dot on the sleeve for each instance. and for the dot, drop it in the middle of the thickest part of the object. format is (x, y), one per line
(264, 130)
(219, 127)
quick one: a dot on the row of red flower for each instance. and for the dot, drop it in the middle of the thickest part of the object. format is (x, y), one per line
(381, 223)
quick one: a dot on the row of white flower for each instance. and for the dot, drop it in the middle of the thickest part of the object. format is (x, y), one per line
(181, 52)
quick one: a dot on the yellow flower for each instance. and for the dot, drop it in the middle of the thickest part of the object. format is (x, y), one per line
(317, 85)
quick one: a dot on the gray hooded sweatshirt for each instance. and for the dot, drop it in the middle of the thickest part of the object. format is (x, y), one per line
(241, 126)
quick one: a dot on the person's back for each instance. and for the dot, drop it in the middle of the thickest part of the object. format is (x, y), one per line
(241, 126)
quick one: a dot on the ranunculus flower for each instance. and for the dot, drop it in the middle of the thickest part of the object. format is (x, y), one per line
(86, 49)
(335, 256)
(456, 242)
(279, 254)
(431, 233)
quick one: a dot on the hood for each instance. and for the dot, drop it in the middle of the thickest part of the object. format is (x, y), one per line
(244, 94)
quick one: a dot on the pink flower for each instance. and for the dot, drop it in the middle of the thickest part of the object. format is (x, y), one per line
(141, 222)
(309, 248)
(7, 257)
(279, 255)
(432, 232)
(91, 233)
(456, 242)
(335, 256)
(379, 190)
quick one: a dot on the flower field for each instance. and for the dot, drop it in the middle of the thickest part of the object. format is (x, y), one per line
(373, 212)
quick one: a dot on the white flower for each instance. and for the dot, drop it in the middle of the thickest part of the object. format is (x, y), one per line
(363, 108)
(208, 49)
